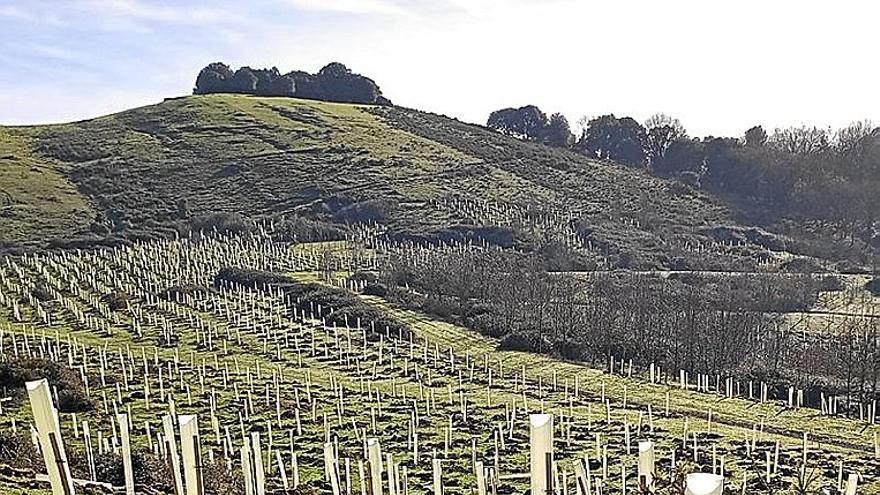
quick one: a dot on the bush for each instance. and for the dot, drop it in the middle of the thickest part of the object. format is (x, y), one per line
(362, 276)
(370, 211)
(42, 292)
(802, 265)
(340, 306)
(375, 289)
(299, 229)
(17, 450)
(71, 394)
(116, 300)
(219, 481)
(831, 283)
(148, 469)
(517, 341)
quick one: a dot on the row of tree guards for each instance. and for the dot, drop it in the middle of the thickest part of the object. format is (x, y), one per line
(385, 381)
(375, 472)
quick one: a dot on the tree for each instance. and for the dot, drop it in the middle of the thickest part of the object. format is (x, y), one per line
(213, 78)
(265, 78)
(852, 139)
(722, 170)
(337, 83)
(244, 81)
(663, 120)
(662, 131)
(557, 131)
(282, 86)
(801, 140)
(682, 155)
(526, 122)
(623, 140)
(755, 137)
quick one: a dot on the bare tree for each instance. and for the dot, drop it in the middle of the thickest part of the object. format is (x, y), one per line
(801, 140)
(663, 130)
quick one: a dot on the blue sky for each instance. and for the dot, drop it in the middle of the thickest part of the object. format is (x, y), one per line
(719, 66)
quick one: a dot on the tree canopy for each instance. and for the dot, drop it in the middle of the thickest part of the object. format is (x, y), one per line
(623, 140)
(529, 122)
(334, 82)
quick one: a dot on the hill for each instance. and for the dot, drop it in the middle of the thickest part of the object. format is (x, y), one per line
(309, 168)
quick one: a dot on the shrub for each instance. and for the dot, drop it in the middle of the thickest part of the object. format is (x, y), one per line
(71, 394)
(340, 306)
(831, 283)
(370, 211)
(220, 481)
(116, 300)
(299, 229)
(517, 341)
(362, 276)
(375, 289)
(802, 265)
(42, 292)
(17, 450)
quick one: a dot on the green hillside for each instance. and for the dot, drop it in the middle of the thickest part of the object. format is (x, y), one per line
(163, 169)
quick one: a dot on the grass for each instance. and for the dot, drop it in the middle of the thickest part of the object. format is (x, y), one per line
(149, 172)
(36, 199)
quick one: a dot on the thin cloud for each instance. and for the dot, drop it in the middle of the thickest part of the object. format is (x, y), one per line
(385, 7)
(141, 11)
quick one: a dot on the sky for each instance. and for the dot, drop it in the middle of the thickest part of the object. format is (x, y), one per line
(719, 66)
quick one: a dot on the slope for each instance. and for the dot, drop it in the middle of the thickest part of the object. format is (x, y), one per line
(158, 170)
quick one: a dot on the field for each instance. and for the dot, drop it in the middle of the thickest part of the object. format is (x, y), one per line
(299, 354)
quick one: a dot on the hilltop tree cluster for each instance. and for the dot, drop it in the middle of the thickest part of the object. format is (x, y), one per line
(806, 172)
(334, 82)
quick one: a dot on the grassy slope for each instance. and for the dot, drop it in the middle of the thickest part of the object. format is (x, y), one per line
(36, 200)
(269, 156)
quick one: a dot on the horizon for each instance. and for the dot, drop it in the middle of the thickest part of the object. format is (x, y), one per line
(88, 58)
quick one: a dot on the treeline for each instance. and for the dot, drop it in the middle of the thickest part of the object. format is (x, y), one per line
(808, 172)
(334, 82)
(728, 325)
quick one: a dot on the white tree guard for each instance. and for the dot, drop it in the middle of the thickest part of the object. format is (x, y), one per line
(541, 444)
(438, 477)
(259, 472)
(122, 419)
(704, 484)
(247, 468)
(646, 462)
(189, 447)
(48, 428)
(171, 440)
(852, 483)
(374, 455)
